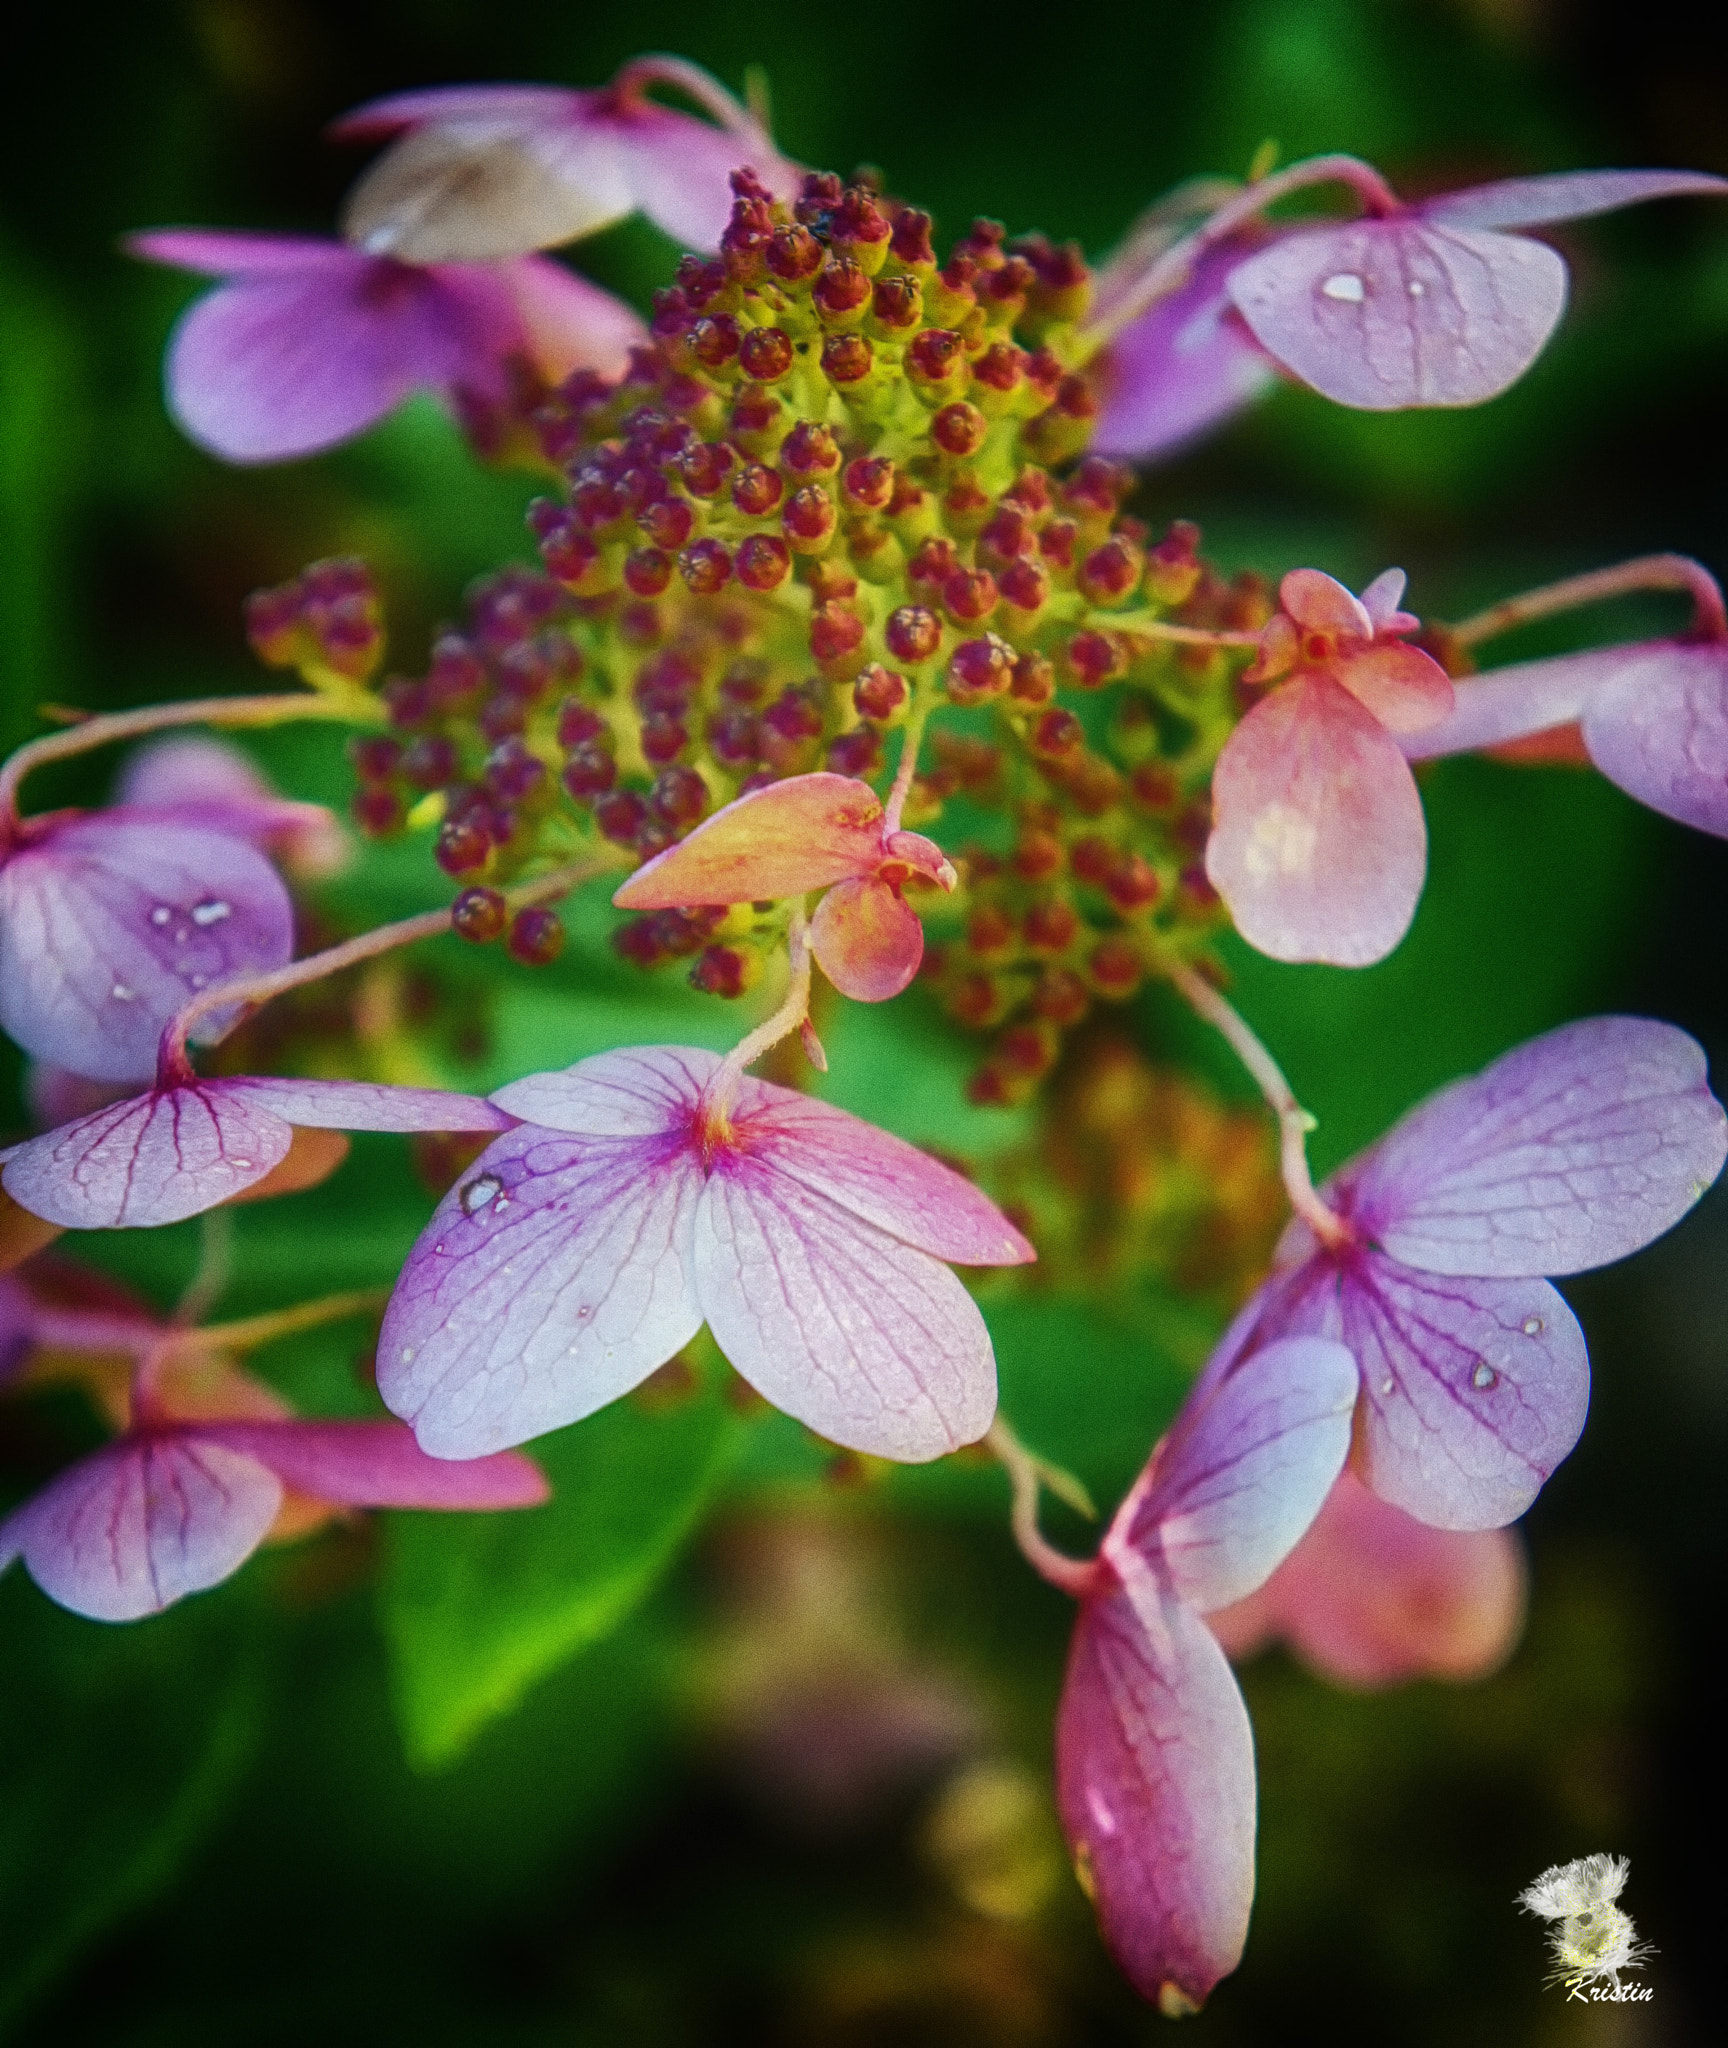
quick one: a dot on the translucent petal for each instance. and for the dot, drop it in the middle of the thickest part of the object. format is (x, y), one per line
(548, 105)
(109, 924)
(866, 1341)
(379, 1465)
(640, 1091)
(570, 323)
(679, 171)
(1512, 702)
(1658, 728)
(141, 1524)
(1382, 314)
(1405, 689)
(867, 940)
(1155, 1787)
(1566, 195)
(553, 1277)
(1243, 1472)
(782, 840)
(1371, 1597)
(1321, 604)
(1570, 1151)
(1318, 846)
(362, 1105)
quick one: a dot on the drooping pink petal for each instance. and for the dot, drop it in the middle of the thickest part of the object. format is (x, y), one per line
(877, 1177)
(390, 115)
(154, 1159)
(1382, 601)
(491, 182)
(1511, 703)
(1155, 1787)
(1320, 604)
(923, 856)
(142, 1523)
(1242, 1472)
(108, 925)
(1184, 366)
(1319, 846)
(1473, 1390)
(551, 1279)
(1564, 195)
(211, 784)
(1570, 1151)
(867, 939)
(220, 252)
(378, 1465)
(569, 322)
(868, 1342)
(679, 170)
(268, 368)
(639, 1091)
(1404, 688)
(361, 1105)
(781, 840)
(1659, 730)
(1381, 314)
(1371, 1597)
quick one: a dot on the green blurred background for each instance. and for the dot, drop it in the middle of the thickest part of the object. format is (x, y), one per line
(788, 1783)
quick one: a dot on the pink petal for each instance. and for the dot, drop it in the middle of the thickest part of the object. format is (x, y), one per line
(1381, 601)
(361, 1105)
(923, 856)
(640, 1091)
(1155, 1787)
(215, 252)
(782, 840)
(1319, 846)
(548, 104)
(379, 1465)
(1242, 1474)
(1371, 1597)
(1382, 314)
(108, 925)
(679, 171)
(1473, 1390)
(551, 1279)
(1659, 731)
(154, 1159)
(867, 940)
(1526, 697)
(276, 367)
(141, 1524)
(871, 1344)
(1404, 688)
(477, 187)
(1569, 1152)
(571, 324)
(1320, 604)
(1185, 366)
(1567, 195)
(877, 1177)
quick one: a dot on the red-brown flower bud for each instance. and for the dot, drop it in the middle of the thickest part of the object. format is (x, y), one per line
(881, 693)
(897, 305)
(842, 293)
(647, 572)
(847, 359)
(706, 566)
(764, 562)
(836, 634)
(479, 915)
(1133, 884)
(765, 354)
(809, 451)
(1050, 925)
(1057, 735)
(969, 596)
(1110, 573)
(756, 490)
(704, 469)
(980, 669)
(868, 484)
(794, 254)
(1116, 968)
(913, 634)
(808, 520)
(536, 936)
(959, 429)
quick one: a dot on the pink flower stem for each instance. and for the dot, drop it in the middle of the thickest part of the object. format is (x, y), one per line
(793, 1012)
(1294, 1122)
(1076, 1575)
(634, 78)
(174, 1068)
(1646, 572)
(215, 1265)
(1172, 268)
(101, 731)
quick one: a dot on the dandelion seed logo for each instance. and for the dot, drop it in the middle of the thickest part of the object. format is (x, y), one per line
(1591, 1939)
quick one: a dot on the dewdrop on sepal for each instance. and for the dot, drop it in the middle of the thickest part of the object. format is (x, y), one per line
(1592, 1939)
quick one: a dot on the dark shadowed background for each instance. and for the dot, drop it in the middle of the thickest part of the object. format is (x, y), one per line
(799, 1795)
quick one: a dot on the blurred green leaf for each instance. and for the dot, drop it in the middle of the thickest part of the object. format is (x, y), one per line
(477, 1608)
(119, 1748)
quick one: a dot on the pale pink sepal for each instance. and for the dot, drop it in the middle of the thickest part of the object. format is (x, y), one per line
(1371, 1597)
(378, 1465)
(1404, 311)
(1564, 195)
(1155, 1788)
(778, 841)
(569, 323)
(1319, 845)
(1658, 729)
(1513, 702)
(211, 782)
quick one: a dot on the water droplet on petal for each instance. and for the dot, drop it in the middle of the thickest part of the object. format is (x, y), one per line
(122, 994)
(1484, 1376)
(479, 1192)
(1416, 288)
(407, 1354)
(1388, 1384)
(199, 980)
(161, 915)
(245, 1165)
(212, 911)
(1346, 286)
(1533, 1326)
